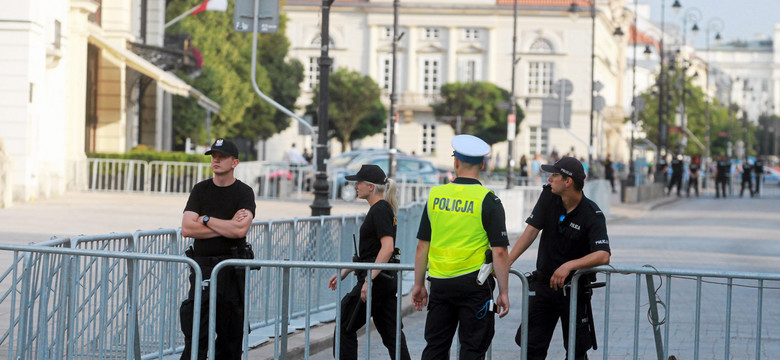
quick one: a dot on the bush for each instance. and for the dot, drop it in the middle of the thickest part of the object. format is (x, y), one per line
(145, 153)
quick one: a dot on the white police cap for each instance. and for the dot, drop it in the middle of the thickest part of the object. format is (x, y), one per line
(470, 149)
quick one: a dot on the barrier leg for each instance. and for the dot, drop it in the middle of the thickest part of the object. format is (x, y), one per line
(659, 343)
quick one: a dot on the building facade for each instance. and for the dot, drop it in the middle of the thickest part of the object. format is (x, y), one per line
(471, 40)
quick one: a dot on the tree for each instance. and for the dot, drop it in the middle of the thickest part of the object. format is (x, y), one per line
(355, 109)
(226, 76)
(696, 110)
(481, 100)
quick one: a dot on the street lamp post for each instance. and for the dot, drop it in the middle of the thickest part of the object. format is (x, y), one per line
(716, 25)
(662, 126)
(320, 206)
(574, 9)
(391, 122)
(511, 122)
(694, 15)
(634, 114)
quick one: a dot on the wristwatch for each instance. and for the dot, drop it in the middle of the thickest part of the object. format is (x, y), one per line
(206, 220)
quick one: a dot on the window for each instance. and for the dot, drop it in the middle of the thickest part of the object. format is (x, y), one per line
(470, 69)
(430, 33)
(386, 73)
(430, 75)
(540, 78)
(538, 140)
(541, 46)
(313, 72)
(387, 33)
(428, 138)
(471, 34)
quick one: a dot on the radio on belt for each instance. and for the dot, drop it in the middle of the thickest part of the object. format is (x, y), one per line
(486, 268)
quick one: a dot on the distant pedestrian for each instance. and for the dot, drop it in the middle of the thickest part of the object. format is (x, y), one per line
(218, 215)
(677, 174)
(293, 156)
(747, 173)
(722, 176)
(661, 169)
(693, 178)
(758, 169)
(609, 172)
(523, 167)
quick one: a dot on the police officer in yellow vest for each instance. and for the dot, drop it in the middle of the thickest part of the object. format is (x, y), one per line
(462, 227)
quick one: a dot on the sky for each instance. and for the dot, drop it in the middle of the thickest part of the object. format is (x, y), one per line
(743, 18)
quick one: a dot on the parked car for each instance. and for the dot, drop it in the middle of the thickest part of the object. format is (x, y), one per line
(408, 168)
(341, 161)
(771, 176)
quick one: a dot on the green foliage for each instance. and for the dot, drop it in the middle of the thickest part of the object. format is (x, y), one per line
(226, 77)
(696, 110)
(478, 99)
(150, 155)
(355, 109)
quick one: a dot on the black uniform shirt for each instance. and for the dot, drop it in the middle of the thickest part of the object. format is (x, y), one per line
(724, 169)
(566, 236)
(380, 221)
(219, 202)
(694, 169)
(493, 218)
(758, 168)
(677, 167)
(746, 169)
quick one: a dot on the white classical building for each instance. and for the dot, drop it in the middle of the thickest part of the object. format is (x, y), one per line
(471, 40)
(70, 85)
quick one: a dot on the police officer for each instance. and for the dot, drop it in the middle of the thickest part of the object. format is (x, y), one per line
(461, 223)
(677, 173)
(574, 236)
(218, 215)
(747, 172)
(693, 178)
(722, 174)
(758, 169)
(661, 169)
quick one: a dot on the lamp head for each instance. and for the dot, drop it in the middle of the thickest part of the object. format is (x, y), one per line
(695, 29)
(676, 7)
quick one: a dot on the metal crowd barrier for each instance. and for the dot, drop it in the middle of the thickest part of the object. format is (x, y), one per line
(102, 326)
(664, 321)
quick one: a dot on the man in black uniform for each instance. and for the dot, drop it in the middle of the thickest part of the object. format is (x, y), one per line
(574, 236)
(722, 175)
(609, 172)
(693, 178)
(677, 173)
(461, 224)
(218, 215)
(747, 172)
(758, 169)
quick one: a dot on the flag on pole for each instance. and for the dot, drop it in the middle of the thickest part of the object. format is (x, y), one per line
(211, 5)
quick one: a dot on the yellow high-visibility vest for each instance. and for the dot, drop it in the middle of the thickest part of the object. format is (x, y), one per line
(458, 238)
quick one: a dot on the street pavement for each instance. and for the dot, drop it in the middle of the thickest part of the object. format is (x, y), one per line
(698, 233)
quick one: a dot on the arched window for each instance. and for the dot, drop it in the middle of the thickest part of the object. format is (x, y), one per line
(541, 46)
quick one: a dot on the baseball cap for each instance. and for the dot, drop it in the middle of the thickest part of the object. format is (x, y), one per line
(225, 147)
(369, 173)
(568, 166)
(469, 148)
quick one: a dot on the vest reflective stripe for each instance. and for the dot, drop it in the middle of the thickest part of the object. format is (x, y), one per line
(458, 238)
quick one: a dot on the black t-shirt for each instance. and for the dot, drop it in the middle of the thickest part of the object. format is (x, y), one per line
(724, 169)
(609, 171)
(493, 218)
(746, 169)
(758, 168)
(694, 170)
(566, 236)
(677, 167)
(379, 222)
(219, 202)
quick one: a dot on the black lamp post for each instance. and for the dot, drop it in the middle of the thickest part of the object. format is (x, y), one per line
(634, 112)
(391, 121)
(662, 125)
(574, 10)
(716, 25)
(694, 15)
(512, 117)
(320, 206)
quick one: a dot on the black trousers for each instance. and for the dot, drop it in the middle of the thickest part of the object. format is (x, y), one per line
(720, 186)
(454, 301)
(383, 311)
(230, 313)
(758, 183)
(676, 180)
(544, 310)
(693, 181)
(749, 183)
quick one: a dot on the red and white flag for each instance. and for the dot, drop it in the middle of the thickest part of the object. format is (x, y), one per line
(211, 5)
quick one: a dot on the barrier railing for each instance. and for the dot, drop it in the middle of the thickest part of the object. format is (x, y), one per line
(716, 326)
(52, 307)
